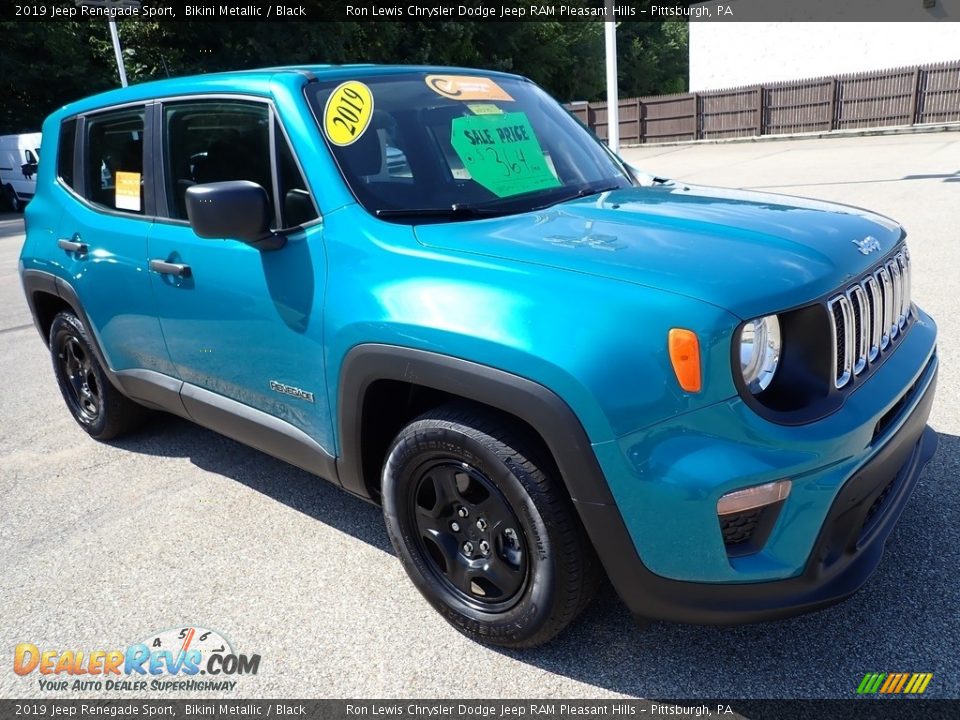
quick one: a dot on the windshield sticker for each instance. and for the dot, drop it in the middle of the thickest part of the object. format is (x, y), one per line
(484, 109)
(502, 153)
(347, 114)
(466, 87)
(127, 191)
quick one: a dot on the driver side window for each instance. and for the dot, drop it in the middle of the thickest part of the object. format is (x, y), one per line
(208, 141)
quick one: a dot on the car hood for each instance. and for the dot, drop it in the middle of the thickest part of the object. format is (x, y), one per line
(750, 253)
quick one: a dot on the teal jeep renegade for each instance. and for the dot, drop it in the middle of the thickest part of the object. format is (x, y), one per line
(434, 288)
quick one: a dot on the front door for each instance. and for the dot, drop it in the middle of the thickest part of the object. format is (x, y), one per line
(241, 323)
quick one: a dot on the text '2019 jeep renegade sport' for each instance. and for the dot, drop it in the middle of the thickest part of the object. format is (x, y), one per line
(436, 289)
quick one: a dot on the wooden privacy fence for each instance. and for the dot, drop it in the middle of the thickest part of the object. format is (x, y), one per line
(904, 96)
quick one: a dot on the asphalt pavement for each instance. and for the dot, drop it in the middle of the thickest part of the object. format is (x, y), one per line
(102, 545)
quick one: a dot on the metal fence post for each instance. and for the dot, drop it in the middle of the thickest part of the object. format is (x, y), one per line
(759, 111)
(697, 114)
(834, 89)
(915, 98)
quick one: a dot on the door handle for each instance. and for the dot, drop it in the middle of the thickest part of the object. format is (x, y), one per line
(168, 268)
(74, 245)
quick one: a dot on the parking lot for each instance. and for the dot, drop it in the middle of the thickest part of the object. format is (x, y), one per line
(102, 545)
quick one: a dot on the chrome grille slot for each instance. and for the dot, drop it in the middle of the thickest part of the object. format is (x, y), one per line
(887, 290)
(904, 289)
(868, 317)
(895, 276)
(841, 319)
(861, 332)
(875, 302)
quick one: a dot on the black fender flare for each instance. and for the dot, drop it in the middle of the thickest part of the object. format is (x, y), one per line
(529, 401)
(35, 281)
(545, 411)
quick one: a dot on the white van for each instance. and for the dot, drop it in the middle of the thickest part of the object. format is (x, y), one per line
(19, 155)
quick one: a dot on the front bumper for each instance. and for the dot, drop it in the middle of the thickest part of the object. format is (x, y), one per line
(835, 556)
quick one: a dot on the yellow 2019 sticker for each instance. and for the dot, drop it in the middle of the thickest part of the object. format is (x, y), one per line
(466, 87)
(348, 112)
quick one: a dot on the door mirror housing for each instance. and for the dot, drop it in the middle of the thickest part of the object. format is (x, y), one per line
(236, 209)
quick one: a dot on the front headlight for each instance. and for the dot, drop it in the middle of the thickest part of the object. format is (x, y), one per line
(759, 352)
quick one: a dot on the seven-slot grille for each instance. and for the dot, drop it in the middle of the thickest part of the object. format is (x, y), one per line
(869, 316)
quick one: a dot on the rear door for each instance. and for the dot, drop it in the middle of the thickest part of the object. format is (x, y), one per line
(102, 237)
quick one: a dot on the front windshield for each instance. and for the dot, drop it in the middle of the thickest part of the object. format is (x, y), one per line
(419, 144)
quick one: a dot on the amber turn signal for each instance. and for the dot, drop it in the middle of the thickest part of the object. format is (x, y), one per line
(685, 357)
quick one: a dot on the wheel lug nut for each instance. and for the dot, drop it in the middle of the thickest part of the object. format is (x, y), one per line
(510, 533)
(455, 527)
(484, 547)
(463, 512)
(467, 548)
(481, 524)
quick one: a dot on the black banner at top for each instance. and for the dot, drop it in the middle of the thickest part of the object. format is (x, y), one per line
(482, 10)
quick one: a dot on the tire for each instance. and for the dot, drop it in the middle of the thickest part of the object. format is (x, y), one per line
(484, 528)
(97, 406)
(14, 200)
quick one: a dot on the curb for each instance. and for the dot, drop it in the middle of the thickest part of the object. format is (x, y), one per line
(859, 132)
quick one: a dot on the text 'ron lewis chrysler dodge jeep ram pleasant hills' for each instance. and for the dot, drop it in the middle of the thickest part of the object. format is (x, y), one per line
(436, 289)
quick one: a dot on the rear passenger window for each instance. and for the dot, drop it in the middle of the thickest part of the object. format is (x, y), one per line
(65, 150)
(209, 141)
(114, 160)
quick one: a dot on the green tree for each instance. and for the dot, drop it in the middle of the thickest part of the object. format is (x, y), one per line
(47, 64)
(652, 58)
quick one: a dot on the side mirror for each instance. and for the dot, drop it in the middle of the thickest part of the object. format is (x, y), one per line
(236, 209)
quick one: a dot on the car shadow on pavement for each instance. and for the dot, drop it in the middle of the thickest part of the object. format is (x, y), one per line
(170, 436)
(903, 620)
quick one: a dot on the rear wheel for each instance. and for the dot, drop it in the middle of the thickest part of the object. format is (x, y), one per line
(484, 529)
(97, 406)
(16, 204)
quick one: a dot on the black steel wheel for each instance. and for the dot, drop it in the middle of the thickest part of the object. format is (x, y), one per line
(484, 528)
(97, 406)
(77, 367)
(469, 534)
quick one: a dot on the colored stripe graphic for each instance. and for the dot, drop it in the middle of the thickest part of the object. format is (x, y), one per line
(903, 680)
(918, 683)
(871, 683)
(891, 682)
(894, 683)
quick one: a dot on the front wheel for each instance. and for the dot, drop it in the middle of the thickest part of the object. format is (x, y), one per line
(484, 528)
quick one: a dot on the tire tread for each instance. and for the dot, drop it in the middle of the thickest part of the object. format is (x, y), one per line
(579, 573)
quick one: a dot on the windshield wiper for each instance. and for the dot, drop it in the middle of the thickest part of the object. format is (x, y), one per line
(583, 192)
(492, 209)
(457, 210)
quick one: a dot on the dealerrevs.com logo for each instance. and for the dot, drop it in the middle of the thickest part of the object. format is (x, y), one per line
(177, 660)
